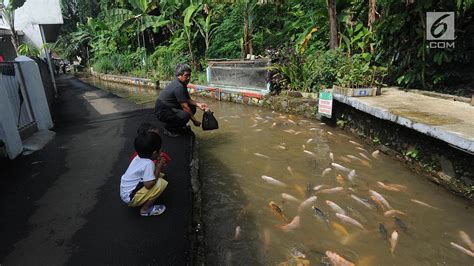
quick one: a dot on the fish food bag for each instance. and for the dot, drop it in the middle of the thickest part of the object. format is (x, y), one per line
(209, 122)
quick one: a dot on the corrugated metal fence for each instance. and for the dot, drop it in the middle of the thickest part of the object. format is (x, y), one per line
(12, 81)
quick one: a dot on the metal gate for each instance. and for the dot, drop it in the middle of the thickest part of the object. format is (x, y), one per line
(11, 80)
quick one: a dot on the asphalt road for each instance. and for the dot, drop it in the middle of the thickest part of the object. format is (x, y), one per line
(61, 205)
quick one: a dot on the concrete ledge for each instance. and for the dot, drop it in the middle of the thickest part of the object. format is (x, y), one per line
(237, 95)
(196, 229)
(126, 80)
(451, 138)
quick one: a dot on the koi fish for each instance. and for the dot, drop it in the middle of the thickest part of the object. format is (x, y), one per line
(261, 155)
(349, 220)
(364, 156)
(307, 202)
(331, 190)
(383, 231)
(254, 125)
(375, 154)
(351, 175)
(331, 156)
(289, 197)
(330, 133)
(340, 229)
(316, 188)
(340, 167)
(308, 141)
(277, 211)
(423, 204)
(462, 249)
(326, 171)
(401, 224)
(313, 129)
(273, 125)
(377, 202)
(393, 241)
(362, 149)
(290, 170)
(320, 215)
(466, 239)
(355, 143)
(304, 147)
(335, 207)
(394, 212)
(337, 260)
(381, 199)
(353, 157)
(290, 131)
(309, 152)
(388, 187)
(362, 202)
(340, 179)
(295, 223)
(273, 181)
(281, 147)
(238, 232)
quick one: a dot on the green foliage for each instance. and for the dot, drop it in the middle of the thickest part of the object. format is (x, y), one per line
(28, 50)
(103, 65)
(357, 71)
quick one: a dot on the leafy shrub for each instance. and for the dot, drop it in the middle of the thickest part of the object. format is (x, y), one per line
(357, 71)
(103, 65)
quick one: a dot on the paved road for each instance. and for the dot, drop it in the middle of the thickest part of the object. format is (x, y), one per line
(61, 205)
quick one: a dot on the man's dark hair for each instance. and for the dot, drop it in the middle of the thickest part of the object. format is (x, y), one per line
(146, 144)
(181, 68)
(144, 128)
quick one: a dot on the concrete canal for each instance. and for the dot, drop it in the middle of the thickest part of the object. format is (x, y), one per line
(279, 188)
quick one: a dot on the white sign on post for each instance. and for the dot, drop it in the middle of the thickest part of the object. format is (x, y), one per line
(325, 103)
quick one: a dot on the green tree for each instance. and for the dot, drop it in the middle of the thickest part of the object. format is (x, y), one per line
(8, 12)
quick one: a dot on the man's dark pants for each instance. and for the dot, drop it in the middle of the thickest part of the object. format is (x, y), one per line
(175, 119)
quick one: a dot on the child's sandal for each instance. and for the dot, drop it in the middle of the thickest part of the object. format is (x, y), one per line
(154, 210)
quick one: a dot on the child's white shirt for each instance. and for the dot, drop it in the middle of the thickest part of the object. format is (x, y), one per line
(139, 170)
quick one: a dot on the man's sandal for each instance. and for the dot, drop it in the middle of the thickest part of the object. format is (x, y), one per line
(154, 210)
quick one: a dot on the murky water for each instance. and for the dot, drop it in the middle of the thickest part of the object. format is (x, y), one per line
(254, 142)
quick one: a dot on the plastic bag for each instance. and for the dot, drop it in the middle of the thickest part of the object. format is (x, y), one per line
(209, 122)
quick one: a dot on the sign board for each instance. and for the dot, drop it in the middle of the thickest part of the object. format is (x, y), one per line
(325, 103)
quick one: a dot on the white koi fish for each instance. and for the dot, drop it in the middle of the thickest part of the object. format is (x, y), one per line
(295, 223)
(281, 147)
(375, 154)
(309, 152)
(262, 155)
(353, 157)
(466, 239)
(355, 143)
(423, 204)
(394, 212)
(337, 260)
(290, 170)
(381, 199)
(340, 167)
(309, 201)
(364, 156)
(351, 175)
(349, 220)
(304, 147)
(362, 202)
(393, 241)
(289, 197)
(254, 125)
(331, 156)
(238, 232)
(462, 249)
(273, 125)
(330, 133)
(362, 149)
(326, 171)
(331, 190)
(313, 129)
(290, 131)
(316, 188)
(308, 141)
(273, 181)
(335, 207)
(291, 121)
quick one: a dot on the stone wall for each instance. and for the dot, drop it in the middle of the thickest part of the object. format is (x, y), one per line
(442, 163)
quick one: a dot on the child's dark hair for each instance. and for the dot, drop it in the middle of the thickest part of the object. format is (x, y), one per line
(147, 143)
(144, 128)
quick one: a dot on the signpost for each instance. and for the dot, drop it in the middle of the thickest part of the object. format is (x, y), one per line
(325, 103)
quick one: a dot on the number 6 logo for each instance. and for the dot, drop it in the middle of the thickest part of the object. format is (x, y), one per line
(440, 25)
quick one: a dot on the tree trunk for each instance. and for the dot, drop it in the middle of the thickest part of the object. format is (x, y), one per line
(372, 18)
(333, 43)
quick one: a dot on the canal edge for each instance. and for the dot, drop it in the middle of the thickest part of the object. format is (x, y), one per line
(196, 230)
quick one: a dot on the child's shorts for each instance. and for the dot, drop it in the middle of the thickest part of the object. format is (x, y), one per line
(143, 194)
